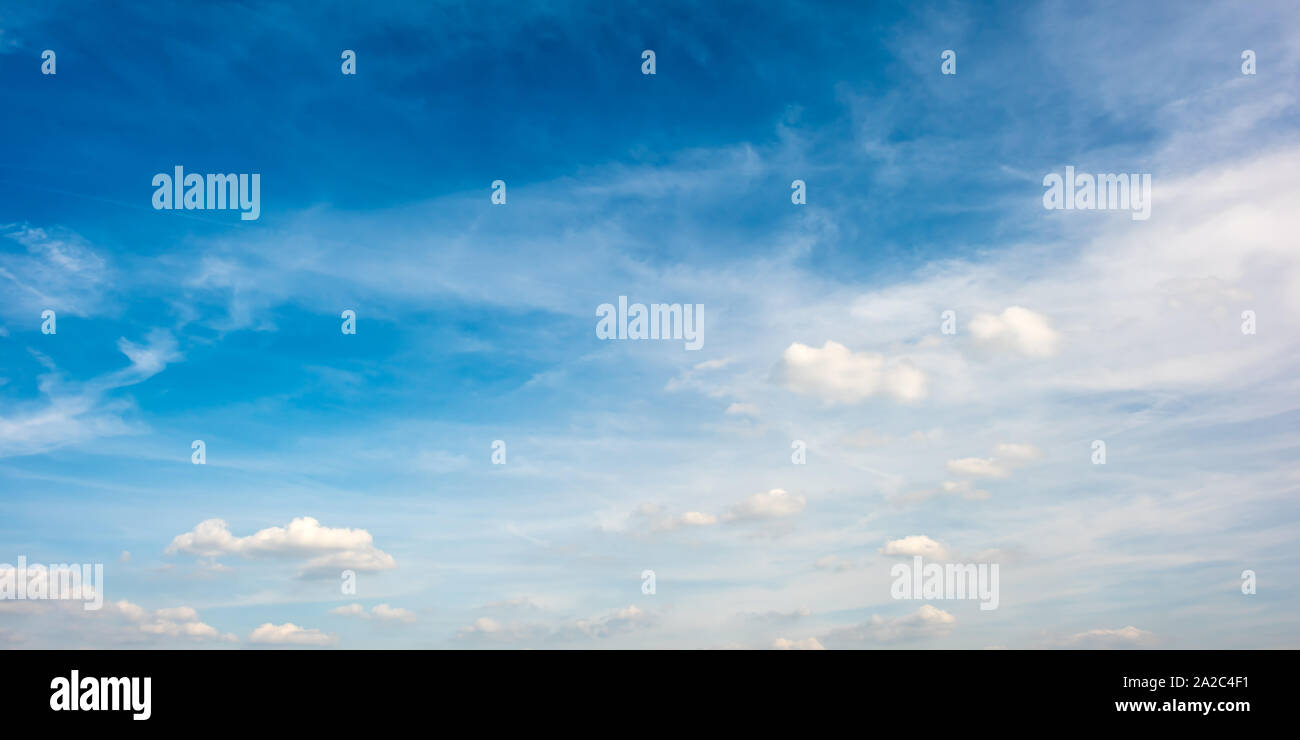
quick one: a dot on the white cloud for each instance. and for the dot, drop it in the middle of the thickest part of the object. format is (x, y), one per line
(59, 623)
(327, 550)
(742, 409)
(485, 625)
(616, 621)
(809, 643)
(698, 519)
(1016, 329)
(69, 412)
(289, 634)
(836, 374)
(59, 271)
(1109, 639)
(964, 489)
(1007, 457)
(654, 518)
(926, 623)
(978, 467)
(149, 359)
(386, 613)
(774, 504)
(916, 544)
(525, 603)
(613, 623)
(180, 621)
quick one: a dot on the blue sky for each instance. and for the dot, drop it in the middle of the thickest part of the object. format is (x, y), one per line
(475, 323)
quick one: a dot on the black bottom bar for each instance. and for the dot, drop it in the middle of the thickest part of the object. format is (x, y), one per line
(989, 689)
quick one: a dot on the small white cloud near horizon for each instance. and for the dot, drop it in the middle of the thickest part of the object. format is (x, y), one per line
(809, 643)
(289, 634)
(925, 623)
(1110, 639)
(614, 622)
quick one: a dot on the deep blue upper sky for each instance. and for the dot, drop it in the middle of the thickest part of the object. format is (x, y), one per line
(451, 97)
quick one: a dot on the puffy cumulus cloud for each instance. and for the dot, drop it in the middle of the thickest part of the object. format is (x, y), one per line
(1104, 639)
(775, 504)
(327, 550)
(289, 634)
(926, 623)
(697, 519)
(1016, 329)
(809, 643)
(1006, 458)
(482, 625)
(916, 544)
(180, 621)
(836, 374)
